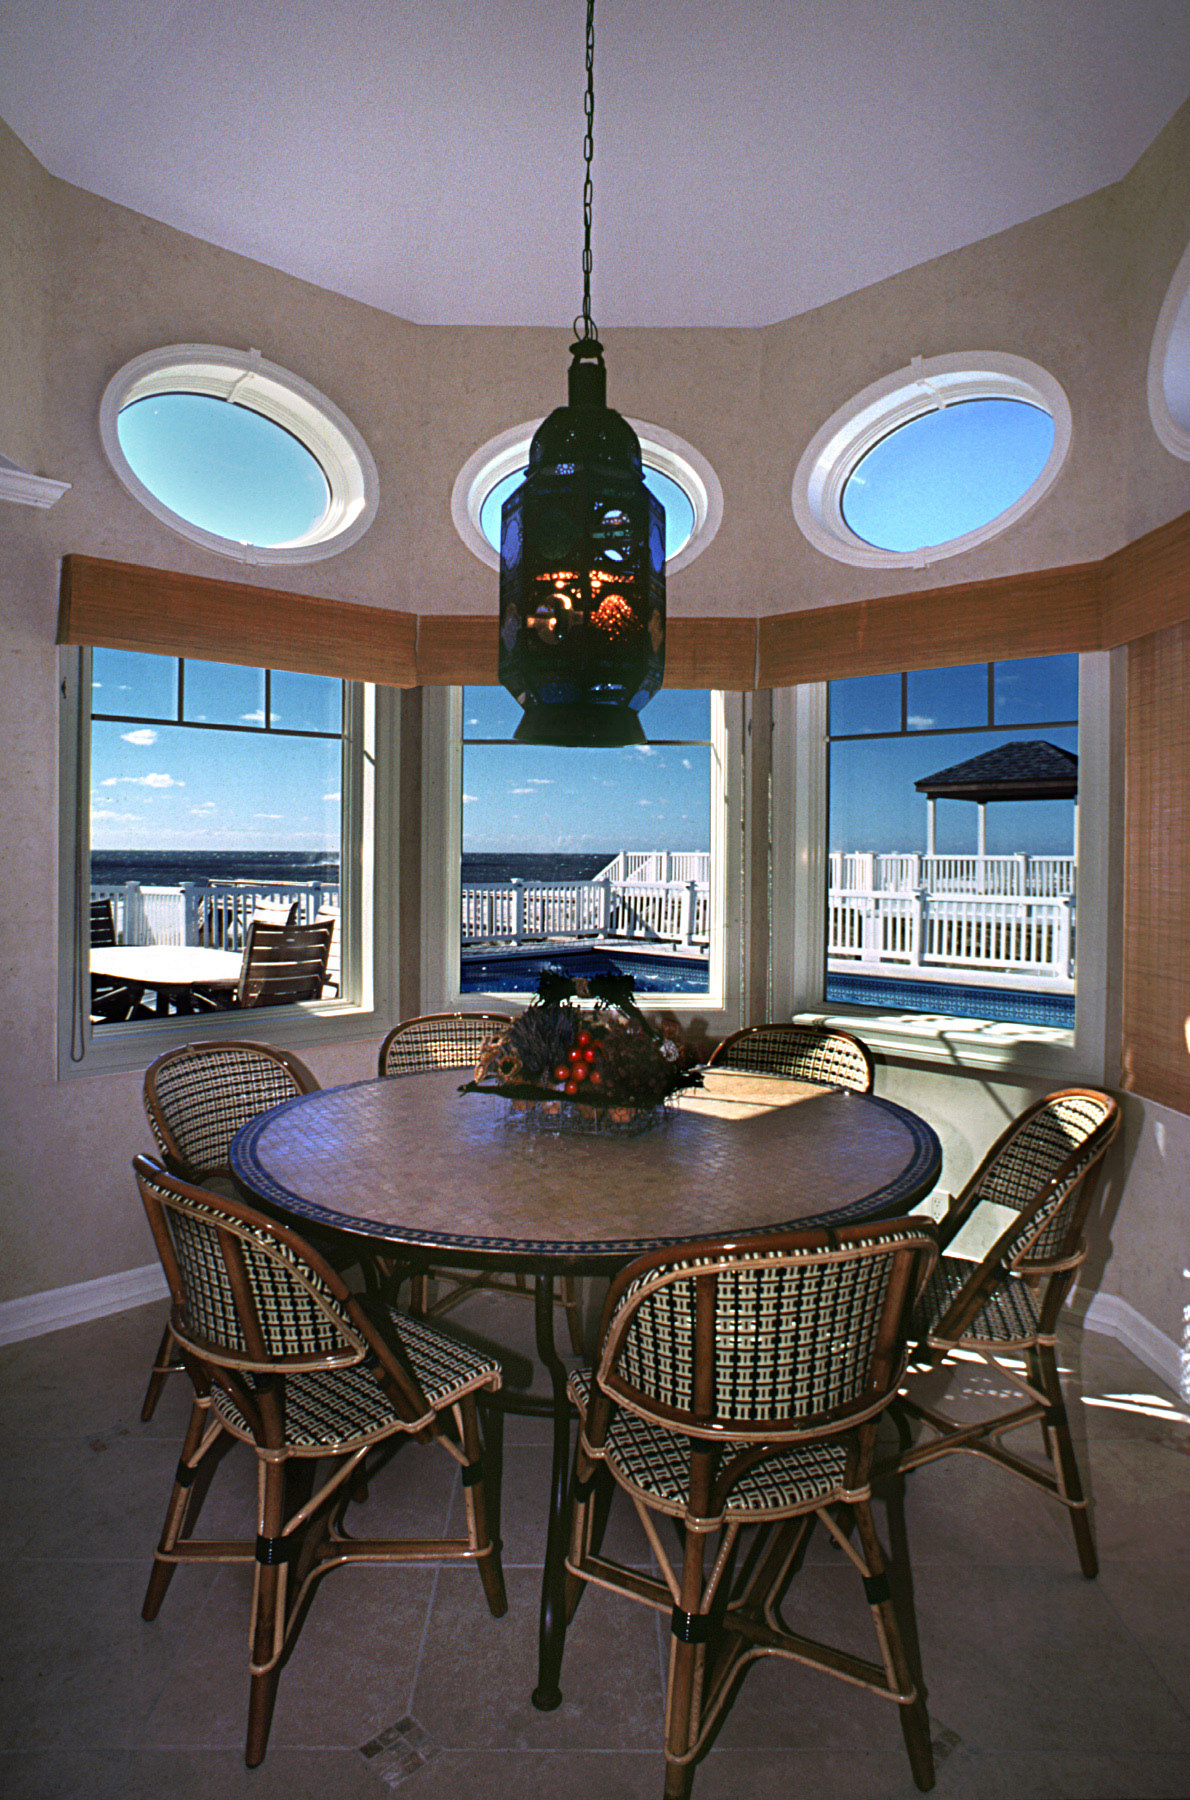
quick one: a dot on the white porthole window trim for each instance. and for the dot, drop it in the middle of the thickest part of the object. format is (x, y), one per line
(1174, 437)
(245, 378)
(835, 450)
(660, 449)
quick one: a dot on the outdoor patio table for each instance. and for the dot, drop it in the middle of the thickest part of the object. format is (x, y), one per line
(438, 1178)
(173, 970)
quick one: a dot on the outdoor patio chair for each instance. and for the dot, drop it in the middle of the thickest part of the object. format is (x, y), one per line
(112, 1002)
(284, 1359)
(454, 1041)
(197, 1097)
(805, 1052)
(736, 1389)
(1040, 1177)
(284, 962)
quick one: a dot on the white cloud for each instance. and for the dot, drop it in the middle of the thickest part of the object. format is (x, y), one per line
(142, 735)
(268, 815)
(686, 763)
(917, 722)
(470, 799)
(330, 796)
(253, 718)
(207, 807)
(644, 803)
(524, 790)
(541, 781)
(105, 812)
(149, 781)
(646, 749)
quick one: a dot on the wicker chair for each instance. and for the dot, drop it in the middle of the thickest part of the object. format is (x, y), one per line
(284, 1358)
(739, 1389)
(197, 1097)
(805, 1052)
(454, 1041)
(1042, 1173)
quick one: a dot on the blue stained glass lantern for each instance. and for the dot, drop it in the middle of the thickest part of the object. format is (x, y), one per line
(582, 574)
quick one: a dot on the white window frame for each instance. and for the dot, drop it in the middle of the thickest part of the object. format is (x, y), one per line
(662, 450)
(247, 379)
(925, 385)
(1173, 325)
(799, 787)
(442, 813)
(367, 1002)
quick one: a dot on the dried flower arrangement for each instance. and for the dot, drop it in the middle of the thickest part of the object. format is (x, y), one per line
(606, 1055)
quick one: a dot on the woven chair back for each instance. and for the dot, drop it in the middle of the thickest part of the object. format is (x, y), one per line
(246, 1293)
(804, 1052)
(198, 1097)
(284, 962)
(1054, 1145)
(438, 1041)
(801, 1335)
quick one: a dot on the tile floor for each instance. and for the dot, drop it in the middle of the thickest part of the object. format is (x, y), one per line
(1039, 1683)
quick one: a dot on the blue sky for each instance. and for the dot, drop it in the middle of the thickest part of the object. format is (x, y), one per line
(946, 473)
(522, 797)
(873, 803)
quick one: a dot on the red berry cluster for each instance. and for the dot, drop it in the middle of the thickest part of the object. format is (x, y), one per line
(582, 1064)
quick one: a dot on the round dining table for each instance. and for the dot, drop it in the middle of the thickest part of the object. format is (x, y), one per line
(439, 1178)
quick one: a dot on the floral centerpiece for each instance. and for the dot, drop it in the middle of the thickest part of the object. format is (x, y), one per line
(604, 1057)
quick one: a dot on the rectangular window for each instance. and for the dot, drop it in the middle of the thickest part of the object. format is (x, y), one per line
(217, 794)
(592, 860)
(952, 841)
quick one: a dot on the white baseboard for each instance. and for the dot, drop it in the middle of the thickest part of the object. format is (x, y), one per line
(34, 1314)
(1114, 1317)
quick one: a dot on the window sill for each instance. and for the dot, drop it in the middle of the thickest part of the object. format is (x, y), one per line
(121, 1049)
(960, 1044)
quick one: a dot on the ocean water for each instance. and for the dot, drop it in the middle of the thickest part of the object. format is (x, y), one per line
(166, 868)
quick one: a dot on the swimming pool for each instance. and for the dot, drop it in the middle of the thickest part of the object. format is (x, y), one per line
(1002, 1005)
(519, 973)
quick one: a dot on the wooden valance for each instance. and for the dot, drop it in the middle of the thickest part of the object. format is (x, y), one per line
(122, 606)
(1141, 589)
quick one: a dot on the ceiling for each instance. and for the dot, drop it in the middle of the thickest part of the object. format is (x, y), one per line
(753, 157)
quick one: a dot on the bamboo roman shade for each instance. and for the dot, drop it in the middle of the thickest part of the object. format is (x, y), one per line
(121, 606)
(1157, 870)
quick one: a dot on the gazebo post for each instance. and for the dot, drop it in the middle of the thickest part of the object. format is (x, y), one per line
(930, 803)
(981, 840)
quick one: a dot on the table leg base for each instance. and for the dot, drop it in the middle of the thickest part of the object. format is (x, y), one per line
(547, 1699)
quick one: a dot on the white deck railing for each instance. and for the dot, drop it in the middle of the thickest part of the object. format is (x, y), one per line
(868, 872)
(940, 931)
(1011, 916)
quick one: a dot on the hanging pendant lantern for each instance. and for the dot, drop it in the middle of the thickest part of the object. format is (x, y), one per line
(582, 554)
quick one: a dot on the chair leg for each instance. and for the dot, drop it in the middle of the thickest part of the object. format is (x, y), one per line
(1060, 1448)
(687, 1658)
(491, 1572)
(176, 1514)
(269, 1596)
(915, 1723)
(166, 1362)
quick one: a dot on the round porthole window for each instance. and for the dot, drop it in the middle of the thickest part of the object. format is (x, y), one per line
(1169, 366)
(932, 461)
(674, 471)
(237, 454)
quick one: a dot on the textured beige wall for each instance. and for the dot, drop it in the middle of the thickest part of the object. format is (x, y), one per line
(24, 304)
(1078, 291)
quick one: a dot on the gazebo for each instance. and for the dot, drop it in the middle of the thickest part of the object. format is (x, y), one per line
(1028, 770)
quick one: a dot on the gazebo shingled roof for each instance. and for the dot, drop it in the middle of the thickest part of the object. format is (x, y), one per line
(1027, 770)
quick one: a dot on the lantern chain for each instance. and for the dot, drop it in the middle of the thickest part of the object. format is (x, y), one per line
(584, 326)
